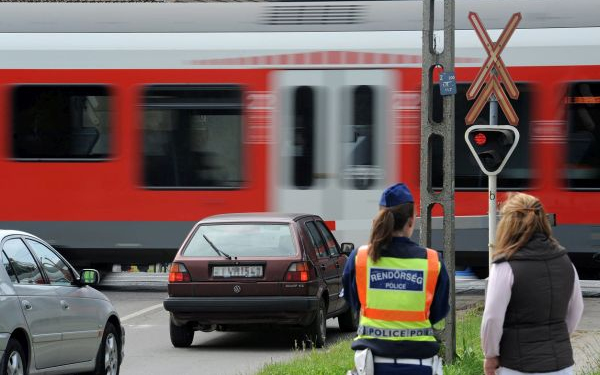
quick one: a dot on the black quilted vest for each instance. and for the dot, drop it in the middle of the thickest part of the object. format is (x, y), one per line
(535, 336)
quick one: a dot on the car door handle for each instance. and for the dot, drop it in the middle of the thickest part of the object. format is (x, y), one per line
(323, 267)
(337, 265)
(64, 305)
(26, 305)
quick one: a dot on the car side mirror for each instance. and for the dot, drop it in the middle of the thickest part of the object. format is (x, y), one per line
(347, 248)
(89, 277)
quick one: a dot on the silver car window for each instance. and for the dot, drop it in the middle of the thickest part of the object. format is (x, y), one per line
(56, 270)
(22, 262)
(8, 268)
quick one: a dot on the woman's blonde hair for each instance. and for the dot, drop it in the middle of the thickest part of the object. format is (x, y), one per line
(522, 216)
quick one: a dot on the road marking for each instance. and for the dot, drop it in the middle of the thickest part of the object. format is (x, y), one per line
(141, 312)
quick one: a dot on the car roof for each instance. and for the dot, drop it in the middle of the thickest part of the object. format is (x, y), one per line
(271, 217)
(10, 232)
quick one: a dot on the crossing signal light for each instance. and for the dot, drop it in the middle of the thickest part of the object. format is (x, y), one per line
(480, 139)
(492, 145)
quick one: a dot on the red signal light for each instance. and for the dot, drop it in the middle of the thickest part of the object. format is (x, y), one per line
(480, 139)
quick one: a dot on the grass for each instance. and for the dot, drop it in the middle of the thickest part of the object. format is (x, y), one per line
(469, 357)
(338, 358)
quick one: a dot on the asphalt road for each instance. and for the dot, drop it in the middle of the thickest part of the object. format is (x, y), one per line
(148, 349)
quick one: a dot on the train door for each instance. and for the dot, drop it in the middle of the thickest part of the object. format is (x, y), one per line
(333, 151)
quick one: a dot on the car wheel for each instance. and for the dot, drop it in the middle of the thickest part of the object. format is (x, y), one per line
(181, 336)
(317, 330)
(108, 359)
(14, 361)
(348, 321)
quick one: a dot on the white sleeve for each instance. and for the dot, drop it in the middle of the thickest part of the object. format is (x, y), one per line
(575, 309)
(497, 297)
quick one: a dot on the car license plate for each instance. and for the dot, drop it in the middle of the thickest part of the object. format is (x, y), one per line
(237, 271)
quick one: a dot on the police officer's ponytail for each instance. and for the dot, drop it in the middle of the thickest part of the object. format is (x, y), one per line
(388, 221)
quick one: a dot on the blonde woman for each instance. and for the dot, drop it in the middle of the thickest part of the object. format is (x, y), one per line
(533, 300)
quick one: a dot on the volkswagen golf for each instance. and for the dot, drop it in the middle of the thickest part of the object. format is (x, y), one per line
(244, 271)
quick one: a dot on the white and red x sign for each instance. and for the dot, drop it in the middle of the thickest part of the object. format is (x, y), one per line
(493, 61)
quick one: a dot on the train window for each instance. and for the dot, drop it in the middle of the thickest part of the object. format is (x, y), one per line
(361, 155)
(304, 129)
(468, 176)
(583, 121)
(192, 136)
(61, 122)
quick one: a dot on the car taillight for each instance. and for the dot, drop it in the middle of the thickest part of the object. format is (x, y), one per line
(297, 272)
(178, 273)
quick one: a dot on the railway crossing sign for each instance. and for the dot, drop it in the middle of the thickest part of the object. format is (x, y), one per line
(492, 145)
(493, 68)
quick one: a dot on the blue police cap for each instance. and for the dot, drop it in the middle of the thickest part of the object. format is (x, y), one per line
(395, 195)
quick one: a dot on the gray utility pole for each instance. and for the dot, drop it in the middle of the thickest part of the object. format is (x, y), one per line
(445, 131)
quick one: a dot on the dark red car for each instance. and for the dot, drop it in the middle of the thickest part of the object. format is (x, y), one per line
(239, 271)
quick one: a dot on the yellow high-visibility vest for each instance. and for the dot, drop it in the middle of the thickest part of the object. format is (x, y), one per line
(395, 296)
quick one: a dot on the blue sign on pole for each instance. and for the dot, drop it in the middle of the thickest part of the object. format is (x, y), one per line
(447, 83)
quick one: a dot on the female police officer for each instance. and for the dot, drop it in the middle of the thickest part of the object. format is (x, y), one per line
(401, 290)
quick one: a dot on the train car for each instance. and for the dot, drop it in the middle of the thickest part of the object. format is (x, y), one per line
(124, 123)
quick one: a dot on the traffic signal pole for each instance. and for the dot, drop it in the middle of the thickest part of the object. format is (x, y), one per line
(487, 86)
(492, 187)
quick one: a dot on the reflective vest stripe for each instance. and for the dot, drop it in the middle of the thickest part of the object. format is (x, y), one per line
(433, 270)
(395, 315)
(388, 332)
(361, 276)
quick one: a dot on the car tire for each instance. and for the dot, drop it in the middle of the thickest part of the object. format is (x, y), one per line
(181, 336)
(317, 330)
(14, 360)
(348, 320)
(108, 360)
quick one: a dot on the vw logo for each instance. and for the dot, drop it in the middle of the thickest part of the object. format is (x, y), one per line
(237, 289)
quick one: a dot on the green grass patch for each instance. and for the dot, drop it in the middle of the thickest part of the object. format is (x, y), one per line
(469, 356)
(338, 358)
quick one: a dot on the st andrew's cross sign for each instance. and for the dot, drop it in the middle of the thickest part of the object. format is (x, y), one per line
(490, 71)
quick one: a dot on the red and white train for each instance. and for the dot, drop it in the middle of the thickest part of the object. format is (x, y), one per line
(124, 123)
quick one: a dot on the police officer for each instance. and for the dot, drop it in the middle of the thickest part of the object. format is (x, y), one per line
(401, 290)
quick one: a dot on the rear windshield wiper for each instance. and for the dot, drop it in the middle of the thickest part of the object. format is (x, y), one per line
(220, 252)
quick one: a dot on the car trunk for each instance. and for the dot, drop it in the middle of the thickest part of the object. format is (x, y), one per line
(224, 277)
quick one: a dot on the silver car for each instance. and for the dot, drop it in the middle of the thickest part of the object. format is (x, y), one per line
(51, 320)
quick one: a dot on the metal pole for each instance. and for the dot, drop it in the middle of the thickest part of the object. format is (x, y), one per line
(491, 216)
(492, 189)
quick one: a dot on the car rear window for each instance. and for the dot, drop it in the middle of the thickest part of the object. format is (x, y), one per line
(241, 240)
